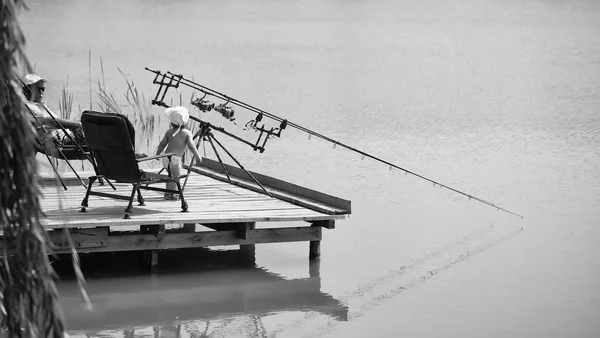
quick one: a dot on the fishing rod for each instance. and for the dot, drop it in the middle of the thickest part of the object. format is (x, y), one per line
(170, 80)
(67, 134)
(43, 146)
(176, 79)
(45, 151)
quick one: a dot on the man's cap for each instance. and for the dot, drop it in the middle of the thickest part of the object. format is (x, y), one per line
(33, 78)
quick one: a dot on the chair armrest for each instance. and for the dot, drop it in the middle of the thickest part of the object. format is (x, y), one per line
(148, 158)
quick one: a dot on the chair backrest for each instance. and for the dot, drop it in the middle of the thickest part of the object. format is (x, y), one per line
(111, 138)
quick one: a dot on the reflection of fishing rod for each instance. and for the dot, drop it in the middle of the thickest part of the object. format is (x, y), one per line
(284, 123)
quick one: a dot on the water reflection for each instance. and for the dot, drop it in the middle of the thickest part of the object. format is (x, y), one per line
(193, 293)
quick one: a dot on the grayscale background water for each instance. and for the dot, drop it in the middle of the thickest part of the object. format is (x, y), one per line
(499, 99)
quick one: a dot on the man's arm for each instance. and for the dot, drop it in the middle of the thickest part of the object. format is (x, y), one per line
(50, 119)
(68, 124)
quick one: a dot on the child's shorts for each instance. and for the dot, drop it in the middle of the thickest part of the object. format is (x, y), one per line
(175, 164)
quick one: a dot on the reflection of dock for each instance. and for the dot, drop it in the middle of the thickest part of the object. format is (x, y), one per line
(230, 210)
(207, 286)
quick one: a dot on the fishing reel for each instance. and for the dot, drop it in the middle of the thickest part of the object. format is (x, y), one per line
(226, 111)
(206, 106)
(203, 105)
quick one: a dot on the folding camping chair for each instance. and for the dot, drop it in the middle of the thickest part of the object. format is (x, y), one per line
(66, 151)
(111, 139)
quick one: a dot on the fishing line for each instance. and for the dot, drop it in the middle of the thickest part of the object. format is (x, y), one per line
(176, 79)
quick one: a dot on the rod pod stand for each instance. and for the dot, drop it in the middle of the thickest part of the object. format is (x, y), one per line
(205, 131)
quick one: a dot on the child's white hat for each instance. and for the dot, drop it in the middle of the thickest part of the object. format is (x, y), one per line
(178, 116)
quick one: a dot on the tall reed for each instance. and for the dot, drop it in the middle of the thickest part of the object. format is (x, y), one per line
(65, 103)
(128, 101)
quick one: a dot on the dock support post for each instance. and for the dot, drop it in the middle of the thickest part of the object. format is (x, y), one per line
(247, 251)
(189, 227)
(315, 246)
(315, 250)
(152, 255)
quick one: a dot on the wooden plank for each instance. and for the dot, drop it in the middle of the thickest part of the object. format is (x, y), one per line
(140, 216)
(82, 238)
(328, 224)
(203, 239)
(210, 202)
(279, 185)
(283, 190)
(86, 223)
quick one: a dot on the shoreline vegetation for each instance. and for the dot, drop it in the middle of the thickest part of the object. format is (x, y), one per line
(130, 102)
(127, 101)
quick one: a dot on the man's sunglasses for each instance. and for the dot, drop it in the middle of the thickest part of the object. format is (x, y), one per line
(41, 89)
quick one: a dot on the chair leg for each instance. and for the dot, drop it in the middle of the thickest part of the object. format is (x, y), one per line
(84, 203)
(184, 205)
(129, 208)
(140, 198)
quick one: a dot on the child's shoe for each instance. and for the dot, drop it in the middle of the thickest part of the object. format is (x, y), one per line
(171, 197)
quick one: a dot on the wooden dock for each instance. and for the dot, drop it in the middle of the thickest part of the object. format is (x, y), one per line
(221, 212)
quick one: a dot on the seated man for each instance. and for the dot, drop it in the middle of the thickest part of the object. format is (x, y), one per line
(47, 124)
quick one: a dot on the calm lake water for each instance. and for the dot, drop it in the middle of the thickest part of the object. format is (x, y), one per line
(499, 99)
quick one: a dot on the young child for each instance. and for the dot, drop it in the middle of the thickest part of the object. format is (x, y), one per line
(175, 140)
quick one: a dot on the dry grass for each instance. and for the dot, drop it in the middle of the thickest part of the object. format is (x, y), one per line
(129, 101)
(65, 103)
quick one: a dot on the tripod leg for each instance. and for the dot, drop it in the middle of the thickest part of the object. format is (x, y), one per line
(190, 166)
(241, 167)
(210, 138)
(188, 173)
